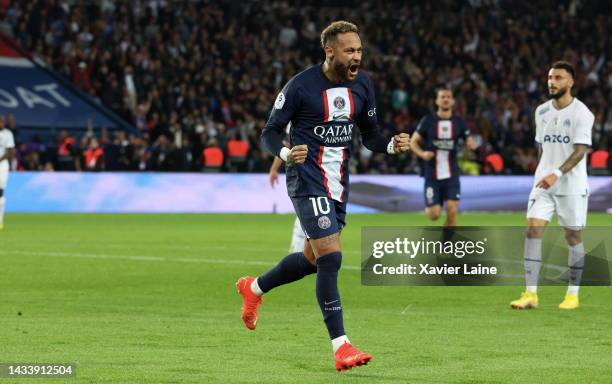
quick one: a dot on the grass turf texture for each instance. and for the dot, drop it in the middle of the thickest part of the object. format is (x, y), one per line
(151, 299)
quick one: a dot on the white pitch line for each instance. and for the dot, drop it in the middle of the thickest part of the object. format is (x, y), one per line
(405, 309)
(249, 249)
(154, 258)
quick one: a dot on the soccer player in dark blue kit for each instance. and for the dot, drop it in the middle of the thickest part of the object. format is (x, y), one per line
(324, 103)
(435, 141)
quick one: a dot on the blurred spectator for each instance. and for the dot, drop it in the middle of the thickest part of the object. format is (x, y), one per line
(600, 163)
(67, 153)
(212, 156)
(493, 163)
(237, 151)
(163, 155)
(94, 156)
(467, 162)
(29, 161)
(185, 156)
(5, 26)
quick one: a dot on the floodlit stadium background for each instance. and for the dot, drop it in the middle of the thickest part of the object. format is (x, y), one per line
(127, 107)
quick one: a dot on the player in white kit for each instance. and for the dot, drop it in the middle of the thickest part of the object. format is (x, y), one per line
(563, 132)
(297, 235)
(7, 151)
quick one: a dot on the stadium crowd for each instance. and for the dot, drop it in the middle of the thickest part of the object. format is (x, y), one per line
(198, 78)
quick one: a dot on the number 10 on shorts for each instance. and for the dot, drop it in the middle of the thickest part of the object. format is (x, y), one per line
(318, 205)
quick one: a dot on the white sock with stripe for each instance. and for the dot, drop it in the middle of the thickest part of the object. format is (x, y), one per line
(576, 266)
(255, 288)
(339, 341)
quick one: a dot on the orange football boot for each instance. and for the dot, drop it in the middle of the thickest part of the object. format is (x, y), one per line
(347, 357)
(250, 301)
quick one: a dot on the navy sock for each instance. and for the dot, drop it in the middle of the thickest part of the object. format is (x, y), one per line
(328, 294)
(292, 268)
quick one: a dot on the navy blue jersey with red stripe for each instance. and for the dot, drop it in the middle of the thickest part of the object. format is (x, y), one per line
(441, 136)
(323, 116)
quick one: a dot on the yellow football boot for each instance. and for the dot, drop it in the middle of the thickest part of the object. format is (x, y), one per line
(570, 302)
(528, 300)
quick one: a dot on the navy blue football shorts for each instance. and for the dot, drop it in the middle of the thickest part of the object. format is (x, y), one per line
(438, 191)
(320, 216)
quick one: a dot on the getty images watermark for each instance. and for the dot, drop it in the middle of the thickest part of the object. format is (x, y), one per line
(473, 256)
(422, 247)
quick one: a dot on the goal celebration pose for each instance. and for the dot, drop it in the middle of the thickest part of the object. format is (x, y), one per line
(324, 103)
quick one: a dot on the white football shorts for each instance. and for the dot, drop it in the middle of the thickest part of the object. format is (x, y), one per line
(571, 210)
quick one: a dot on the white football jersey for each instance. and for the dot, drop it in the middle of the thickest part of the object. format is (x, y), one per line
(6, 141)
(557, 130)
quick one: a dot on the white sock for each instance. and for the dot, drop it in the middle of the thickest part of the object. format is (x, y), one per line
(573, 289)
(533, 263)
(255, 288)
(339, 341)
(2, 203)
(575, 262)
(532, 288)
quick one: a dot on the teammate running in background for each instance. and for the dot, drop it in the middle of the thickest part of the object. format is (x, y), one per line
(297, 235)
(435, 141)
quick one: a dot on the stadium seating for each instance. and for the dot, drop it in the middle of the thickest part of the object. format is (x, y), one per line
(193, 82)
(213, 157)
(600, 162)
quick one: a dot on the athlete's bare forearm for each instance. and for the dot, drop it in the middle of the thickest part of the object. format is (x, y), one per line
(579, 151)
(415, 145)
(276, 164)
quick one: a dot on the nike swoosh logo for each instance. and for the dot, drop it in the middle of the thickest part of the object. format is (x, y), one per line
(331, 302)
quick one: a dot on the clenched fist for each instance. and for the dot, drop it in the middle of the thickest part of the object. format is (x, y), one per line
(401, 143)
(298, 154)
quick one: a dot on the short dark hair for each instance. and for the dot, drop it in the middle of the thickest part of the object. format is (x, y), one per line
(331, 31)
(564, 65)
(442, 88)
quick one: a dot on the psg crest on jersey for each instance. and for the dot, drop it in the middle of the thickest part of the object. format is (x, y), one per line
(339, 102)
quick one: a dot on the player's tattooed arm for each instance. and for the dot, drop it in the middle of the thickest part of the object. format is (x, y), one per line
(579, 151)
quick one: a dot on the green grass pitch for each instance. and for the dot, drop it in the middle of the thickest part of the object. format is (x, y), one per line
(151, 299)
